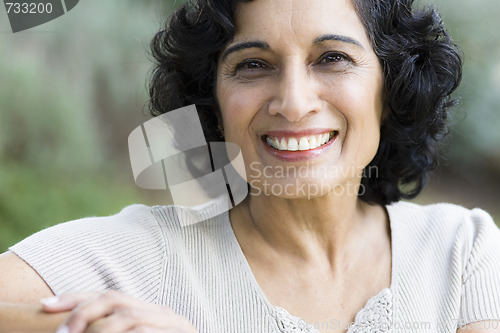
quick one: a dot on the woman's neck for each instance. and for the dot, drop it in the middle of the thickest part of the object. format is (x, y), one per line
(323, 229)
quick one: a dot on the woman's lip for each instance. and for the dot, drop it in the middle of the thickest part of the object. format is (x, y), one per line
(300, 155)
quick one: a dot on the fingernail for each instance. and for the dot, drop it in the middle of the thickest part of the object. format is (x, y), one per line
(50, 301)
(63, 329)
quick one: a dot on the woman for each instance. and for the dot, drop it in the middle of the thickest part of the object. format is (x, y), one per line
(334, 104)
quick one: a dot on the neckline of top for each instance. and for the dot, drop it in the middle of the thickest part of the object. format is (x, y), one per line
(391, 211)
(363, 318)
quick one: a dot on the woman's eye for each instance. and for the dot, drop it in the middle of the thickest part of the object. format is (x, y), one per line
(334, 57)
(251, 65)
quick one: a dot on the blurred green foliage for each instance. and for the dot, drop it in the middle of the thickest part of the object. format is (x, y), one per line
(470, 172)
(70, 93)
(474, 26)
(73, 89)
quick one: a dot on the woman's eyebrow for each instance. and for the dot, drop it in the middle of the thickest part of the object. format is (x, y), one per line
(265, 46)
(245, 45)
(339, 38)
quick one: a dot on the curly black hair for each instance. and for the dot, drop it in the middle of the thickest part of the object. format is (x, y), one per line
(422, 66)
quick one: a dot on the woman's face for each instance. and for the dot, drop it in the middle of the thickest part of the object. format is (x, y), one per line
(300, 91)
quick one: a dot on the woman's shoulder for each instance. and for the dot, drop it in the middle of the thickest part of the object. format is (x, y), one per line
(134, 226)
(96, 230)
(443, 231)
(444, 226)
(446, 233)
(122, 251)
(441, 216)
(456, 252)
(135, 219)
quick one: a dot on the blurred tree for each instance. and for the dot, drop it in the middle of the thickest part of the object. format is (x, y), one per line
(476, 134)
(470, 172)
(71, 92)
(73, 89)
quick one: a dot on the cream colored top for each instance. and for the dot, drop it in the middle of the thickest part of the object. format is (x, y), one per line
(445, 269)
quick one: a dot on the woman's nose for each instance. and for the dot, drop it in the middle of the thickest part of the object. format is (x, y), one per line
(295, 95)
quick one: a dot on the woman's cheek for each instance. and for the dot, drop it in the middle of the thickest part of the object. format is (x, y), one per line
(238, 109)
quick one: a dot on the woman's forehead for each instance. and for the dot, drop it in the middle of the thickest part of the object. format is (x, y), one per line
(295, 7)
(270, 19)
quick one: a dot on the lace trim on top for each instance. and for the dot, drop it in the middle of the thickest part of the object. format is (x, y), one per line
(375, 317)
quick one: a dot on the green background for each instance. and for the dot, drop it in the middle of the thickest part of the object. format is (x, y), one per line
(73, 89)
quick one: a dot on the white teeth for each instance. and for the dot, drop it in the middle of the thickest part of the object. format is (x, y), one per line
(276, 142)
(283, 145)
(304, 143)
(293, 145)
(313, 142)
(325, 137)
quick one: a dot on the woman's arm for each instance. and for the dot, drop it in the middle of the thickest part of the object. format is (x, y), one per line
(19, 283)
(24, 318)
(21, 289)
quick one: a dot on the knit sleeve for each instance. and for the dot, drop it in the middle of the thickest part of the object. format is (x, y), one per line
(481, 278)
(124, 252)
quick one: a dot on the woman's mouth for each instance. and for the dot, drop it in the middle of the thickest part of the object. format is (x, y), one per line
(299, 143)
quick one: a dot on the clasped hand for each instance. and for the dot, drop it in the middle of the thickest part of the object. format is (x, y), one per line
(114, 312)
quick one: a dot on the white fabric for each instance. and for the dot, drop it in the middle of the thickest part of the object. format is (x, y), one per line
(445, 269)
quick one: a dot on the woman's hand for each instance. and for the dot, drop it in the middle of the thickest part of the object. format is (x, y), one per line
(114, 312)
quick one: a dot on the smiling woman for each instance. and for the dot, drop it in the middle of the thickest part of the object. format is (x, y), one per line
(285, 84)
(337, 107)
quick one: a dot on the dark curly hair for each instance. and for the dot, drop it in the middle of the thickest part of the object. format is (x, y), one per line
(421, 65)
